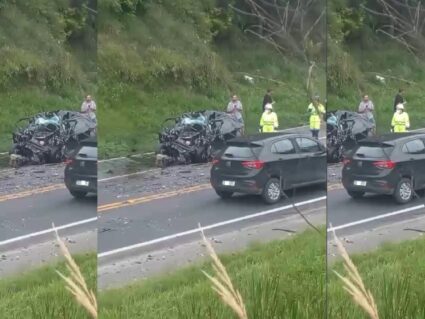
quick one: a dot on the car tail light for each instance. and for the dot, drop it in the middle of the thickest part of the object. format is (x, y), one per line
(215, 161)
(68, 161)
(253, 164)
(346, 161)
(384, 164)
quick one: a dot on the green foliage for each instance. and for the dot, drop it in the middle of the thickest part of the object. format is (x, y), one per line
(282, 279)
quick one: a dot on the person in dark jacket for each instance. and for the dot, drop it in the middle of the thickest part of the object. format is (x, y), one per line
(399, 99)
(267, 99)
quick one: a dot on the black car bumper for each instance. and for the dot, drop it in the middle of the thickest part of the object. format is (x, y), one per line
(249, 185)
(77, 182)
(373, 185)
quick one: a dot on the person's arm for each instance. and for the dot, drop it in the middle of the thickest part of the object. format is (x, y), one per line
(239, 106)
(361, 107)
(83, 107)
(393, 120)
(229, 107)
(94, 106)
(261, 121)
(372, 106)
(276, 121)
(407, 120)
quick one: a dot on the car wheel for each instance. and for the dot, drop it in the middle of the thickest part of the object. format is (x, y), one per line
(356, 194)
(403, 191)
(272, 191)
(224, 194)
(78, 194)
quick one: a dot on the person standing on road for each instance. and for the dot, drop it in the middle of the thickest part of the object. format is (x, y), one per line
(268, 122)
(399, 99)
(267, 99)
(89, 107)
(316, 110)
(234, 108)
(400, 121)
(367, 108)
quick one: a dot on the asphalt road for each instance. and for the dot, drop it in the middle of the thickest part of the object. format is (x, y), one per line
(126, 224)
(168, 214)
(26, 217)
(369, 212)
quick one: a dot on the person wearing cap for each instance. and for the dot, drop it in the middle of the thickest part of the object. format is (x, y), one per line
(316, 110)
(400, 121)
(268, 121)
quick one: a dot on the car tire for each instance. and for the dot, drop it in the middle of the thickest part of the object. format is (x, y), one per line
(78, 194)
(355, 194)
(224, 194)
(272, 191)
(404, 191)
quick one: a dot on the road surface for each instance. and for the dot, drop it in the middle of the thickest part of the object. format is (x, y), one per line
(27, 211)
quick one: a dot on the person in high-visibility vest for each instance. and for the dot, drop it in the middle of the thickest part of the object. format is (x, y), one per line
(316, 110)
(400, 121)
(268, 122)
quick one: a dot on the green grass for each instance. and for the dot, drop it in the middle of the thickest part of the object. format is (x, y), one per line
(395, 274)
(163, 62)
(41, 293)
(393, 63)
(282, 279)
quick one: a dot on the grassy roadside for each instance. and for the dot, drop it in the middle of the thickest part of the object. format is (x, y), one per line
(395, 274)
(399, 69)
(41, 294)
(282, 279)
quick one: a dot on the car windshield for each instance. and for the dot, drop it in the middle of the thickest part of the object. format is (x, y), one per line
(374, 151)
(88, 151)
(243, 151)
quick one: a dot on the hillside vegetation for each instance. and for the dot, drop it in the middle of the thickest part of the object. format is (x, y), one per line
(359, 50)
(47, 58)
(160, 58)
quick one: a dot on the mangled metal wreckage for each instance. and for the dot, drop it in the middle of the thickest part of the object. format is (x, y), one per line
(344, 130)
(193, 137)
(49, 137)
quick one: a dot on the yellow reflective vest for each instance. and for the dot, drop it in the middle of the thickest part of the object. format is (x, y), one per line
(315, 113)
(400, 122)
(269, 122)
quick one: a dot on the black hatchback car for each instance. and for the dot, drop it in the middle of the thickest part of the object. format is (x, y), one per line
(81, 169)
(392, 164)
(267, 164)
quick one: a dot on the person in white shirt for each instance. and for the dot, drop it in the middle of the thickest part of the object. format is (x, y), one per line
(89, 107)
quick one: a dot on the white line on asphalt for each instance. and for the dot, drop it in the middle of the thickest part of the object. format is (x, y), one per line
(127, 175)
(367, 220)
(46, 231)
(220, 224)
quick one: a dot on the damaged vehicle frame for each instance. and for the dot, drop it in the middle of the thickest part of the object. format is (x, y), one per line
(344, 129)
(195, 136)
(49, 137)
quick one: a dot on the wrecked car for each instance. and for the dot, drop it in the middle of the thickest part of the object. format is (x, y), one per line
(344, 130)
(49, 137)
(194, 137)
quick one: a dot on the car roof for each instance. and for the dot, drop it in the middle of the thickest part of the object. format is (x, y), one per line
(262, 137)
(391, 137)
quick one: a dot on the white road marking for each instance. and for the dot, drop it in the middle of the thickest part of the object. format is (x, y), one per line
(46, 231)
(197, 230)
(127, 175)
(367, 220)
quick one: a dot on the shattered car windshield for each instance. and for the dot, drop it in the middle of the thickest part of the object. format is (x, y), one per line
(202, 120)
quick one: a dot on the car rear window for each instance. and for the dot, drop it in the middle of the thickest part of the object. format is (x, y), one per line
(374, 151)
(242, 151)
(88, 151)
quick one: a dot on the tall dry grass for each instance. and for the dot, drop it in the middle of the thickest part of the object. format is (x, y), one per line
(75, 282)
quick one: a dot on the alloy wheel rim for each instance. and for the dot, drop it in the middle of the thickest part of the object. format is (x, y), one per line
(274, 191)
(405, 191)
